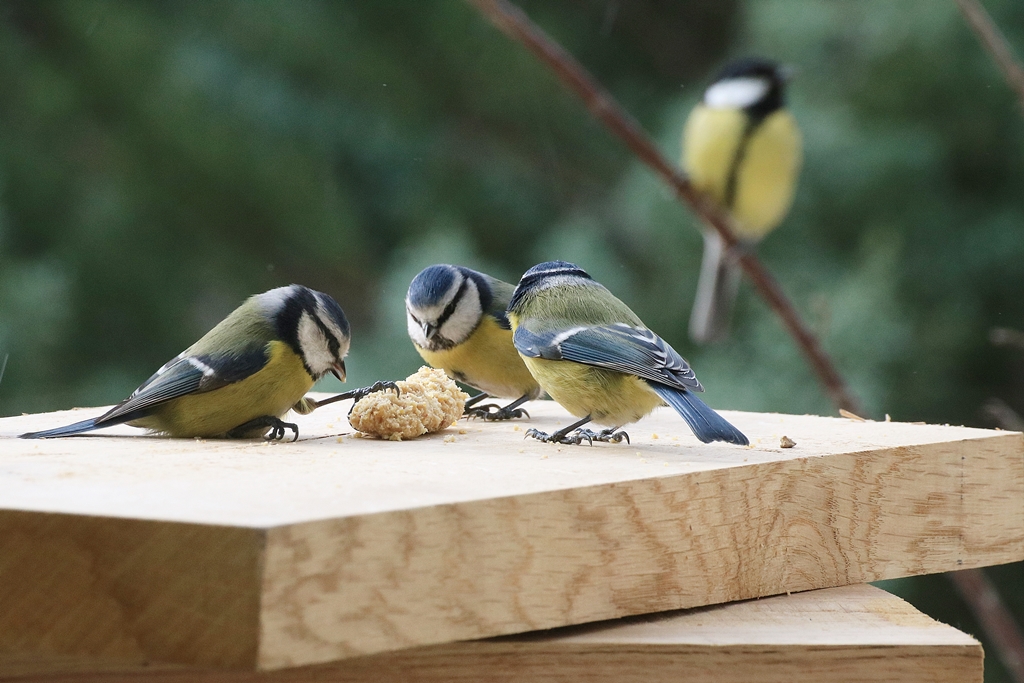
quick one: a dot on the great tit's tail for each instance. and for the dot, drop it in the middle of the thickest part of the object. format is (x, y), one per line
(706, 424)
(67, 430)
(716, 292)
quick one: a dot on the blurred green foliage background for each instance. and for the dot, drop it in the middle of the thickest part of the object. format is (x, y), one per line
(160, 161)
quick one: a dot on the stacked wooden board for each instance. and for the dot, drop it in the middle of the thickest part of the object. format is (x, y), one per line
(850, 634)
(252, 556)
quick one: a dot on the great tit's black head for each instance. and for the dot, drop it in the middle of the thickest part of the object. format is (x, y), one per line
(444, 305)
(547, 274)
(314, 325)
(752, 84)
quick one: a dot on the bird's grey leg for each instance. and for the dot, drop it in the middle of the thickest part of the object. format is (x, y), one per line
(473, 401)
(492, 413)
(562, 435)
(277, 428)
(361, 393)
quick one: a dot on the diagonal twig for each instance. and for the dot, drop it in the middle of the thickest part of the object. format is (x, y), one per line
(995, 619)
(514, 22)
(996, 44)
(974, 587)
(972, 584)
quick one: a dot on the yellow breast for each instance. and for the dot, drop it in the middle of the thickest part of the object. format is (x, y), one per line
(610, 398)
(765, 166)
(279, 385)
(488, 361)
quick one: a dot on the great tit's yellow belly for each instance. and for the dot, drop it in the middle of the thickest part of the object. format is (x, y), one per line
(608, 397)
(278, 386)
(765, 166)
(488, 361)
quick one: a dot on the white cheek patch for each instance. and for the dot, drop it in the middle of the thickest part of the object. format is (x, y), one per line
(736, 93)
(314, 346)
(328, 321)
(415, 330)
(465, 317)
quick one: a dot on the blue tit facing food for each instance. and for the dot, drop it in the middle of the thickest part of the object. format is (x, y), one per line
(242, 376)
(594, 356)
(742, 148)
(457, 323)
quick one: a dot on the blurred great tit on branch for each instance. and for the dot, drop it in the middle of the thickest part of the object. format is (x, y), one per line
(741, 147)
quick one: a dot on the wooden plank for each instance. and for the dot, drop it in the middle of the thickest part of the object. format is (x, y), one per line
(355, 547)
(856, 633)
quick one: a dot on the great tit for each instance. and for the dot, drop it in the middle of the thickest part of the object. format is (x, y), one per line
(741, 147)
(594, 356)
(243, 375)
(457, 323)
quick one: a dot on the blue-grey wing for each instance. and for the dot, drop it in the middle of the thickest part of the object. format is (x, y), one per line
(190, 375)
(624, 348)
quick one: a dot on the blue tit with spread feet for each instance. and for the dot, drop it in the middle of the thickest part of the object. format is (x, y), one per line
(242, 376)
(457, 323)
(595, 357)
(743, 149)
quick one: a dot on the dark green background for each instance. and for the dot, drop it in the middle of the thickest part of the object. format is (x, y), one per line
(160, 161)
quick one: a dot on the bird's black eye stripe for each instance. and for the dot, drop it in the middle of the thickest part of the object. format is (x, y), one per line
(332, 342)
(450, 308)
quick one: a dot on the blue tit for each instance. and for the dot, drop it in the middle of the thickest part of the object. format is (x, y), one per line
(457, 323)
(742, 148)
(243, 375)
(594, 356)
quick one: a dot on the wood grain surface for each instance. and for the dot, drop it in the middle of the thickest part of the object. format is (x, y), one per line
(852, 634)
(248, 555)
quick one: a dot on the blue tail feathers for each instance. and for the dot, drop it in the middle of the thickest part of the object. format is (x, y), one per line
(706, 424)
(66, 430)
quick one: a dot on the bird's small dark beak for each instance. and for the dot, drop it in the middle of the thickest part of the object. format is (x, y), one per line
(339, 370)
(429, 330)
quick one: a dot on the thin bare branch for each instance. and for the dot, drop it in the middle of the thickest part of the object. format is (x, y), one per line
(995, 42)
(993, 617)
(514, 23)
(982, 597)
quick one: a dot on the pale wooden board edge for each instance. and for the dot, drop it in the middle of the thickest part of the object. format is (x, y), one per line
(494, 567)
(873, 637)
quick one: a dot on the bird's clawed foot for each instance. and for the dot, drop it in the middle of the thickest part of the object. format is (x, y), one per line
(612, 435)
(492, 412)
(359, 394)
(356, 394)
(276, 424)
(277, 431)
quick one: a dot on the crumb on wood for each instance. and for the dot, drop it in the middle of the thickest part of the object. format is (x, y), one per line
(428, 402)
(786, 442)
